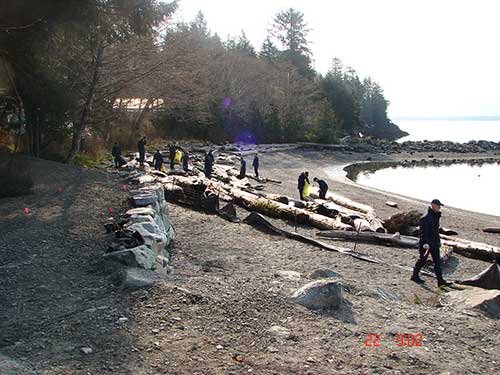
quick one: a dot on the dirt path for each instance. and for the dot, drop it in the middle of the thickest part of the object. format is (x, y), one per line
(230, 287)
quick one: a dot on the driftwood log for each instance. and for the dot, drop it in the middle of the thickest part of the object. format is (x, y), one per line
(383, 239)
(259, 222)
(492, 230)
(403, 222)
(364, 211)
(253, 202)
(368, 237)
(471, 249)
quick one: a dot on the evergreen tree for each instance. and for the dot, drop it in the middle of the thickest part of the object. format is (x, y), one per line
(291, 31)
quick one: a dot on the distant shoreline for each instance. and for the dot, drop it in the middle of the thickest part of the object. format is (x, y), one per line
(451, 118)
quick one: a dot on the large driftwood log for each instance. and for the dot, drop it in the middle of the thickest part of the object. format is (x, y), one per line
(492, 230)
(259, 222)
(253, 202)
(471, 249)
(349, 207)
(378, 238)
(343, 201)
(401, 222)
(383, 239)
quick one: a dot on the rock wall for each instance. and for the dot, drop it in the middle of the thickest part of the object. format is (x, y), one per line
(147, 258)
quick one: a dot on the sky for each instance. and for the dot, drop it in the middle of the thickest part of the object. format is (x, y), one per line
(436, 58)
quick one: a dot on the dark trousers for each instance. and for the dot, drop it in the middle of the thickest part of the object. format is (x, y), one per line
(142, 157)
(322, 193)
(256, 169)
(300, 193)
(158, 166)
(172, 166)
(436, 259)
(117, 161)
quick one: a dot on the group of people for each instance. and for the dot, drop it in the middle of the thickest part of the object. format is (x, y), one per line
(304, 184)
(429, 241)
(243, 167)
(158, 159)
(174, 152)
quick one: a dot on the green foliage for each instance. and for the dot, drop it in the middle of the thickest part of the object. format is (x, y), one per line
(72, 68)
(86, 161)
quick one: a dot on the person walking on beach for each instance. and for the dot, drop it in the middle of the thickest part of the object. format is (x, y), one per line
(185, 161)
(116, 152)
(323, 187)
(209, 163)
(243, 169)
(430, 243)
(255, 164)
(158, 160)
(141, 147)
(171, 155)
(303, 179)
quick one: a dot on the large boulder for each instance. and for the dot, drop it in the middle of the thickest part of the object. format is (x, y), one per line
(140, 257)
(136, 278)
(320, 294)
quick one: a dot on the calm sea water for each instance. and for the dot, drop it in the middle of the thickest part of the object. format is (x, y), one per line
(450, 130)
(473, 188)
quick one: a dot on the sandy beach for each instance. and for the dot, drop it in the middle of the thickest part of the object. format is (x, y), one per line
(218, 313)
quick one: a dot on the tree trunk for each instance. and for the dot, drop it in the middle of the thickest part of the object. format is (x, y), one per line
(87, 107)
(144, 112)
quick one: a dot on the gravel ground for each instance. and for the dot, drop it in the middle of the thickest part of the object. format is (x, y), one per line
(214, 316)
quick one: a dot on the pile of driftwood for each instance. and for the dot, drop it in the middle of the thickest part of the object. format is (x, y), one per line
(338, 217)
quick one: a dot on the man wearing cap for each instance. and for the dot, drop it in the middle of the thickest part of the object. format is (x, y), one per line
(430, 242)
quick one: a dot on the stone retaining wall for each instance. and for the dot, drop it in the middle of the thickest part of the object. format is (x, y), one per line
(147, 220)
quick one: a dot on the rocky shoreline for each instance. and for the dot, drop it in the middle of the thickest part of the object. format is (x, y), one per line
(354, 169)
(411, 147)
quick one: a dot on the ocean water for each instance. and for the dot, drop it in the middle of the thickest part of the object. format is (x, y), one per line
(450, 130)
(470, 187)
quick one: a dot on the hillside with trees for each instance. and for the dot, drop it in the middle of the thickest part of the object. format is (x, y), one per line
(69, 70)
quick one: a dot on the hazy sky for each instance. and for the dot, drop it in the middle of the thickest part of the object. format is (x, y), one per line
(432, 57)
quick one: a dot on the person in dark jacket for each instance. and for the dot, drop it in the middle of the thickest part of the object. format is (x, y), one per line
(303, 178)
(171, 155)
(141, 147)
(185, 161)
(243, 169)
(158, 160)
(209, 163)
(117, 153)
(255, 164)
(430, 243)
(323, 187)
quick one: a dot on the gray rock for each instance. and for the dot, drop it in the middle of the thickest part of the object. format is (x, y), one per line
(142, 211)
(323, 274)
(86, 350)
(320, 294)
(279, 331)
(153, 236)
(135, 278)
(140, 256)
(142, 199)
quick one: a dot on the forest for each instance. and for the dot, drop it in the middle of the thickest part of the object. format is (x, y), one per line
(78, 75)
